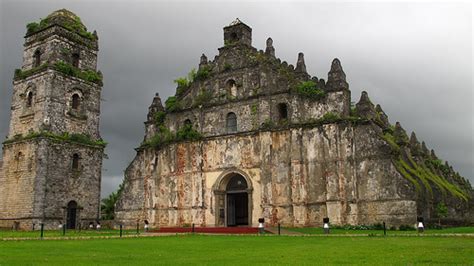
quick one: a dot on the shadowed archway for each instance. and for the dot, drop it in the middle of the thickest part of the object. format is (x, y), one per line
(233, 199)
(71, 215)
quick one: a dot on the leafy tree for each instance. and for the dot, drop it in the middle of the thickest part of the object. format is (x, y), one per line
(441, 211)
(108, 204)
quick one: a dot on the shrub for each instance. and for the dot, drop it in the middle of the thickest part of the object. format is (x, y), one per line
(309, 89)
(203, 73)
(184, 82)
(188, 133)
(20, 74)
(172, 104)
(159, 118)
(32, 27)
(88, 75)
(74, 25)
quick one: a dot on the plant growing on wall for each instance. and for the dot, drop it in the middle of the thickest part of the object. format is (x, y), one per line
(172, 104)
(309, 89)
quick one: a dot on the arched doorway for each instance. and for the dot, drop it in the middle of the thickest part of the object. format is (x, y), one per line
(71, 215)
(233, 199)
(237, 203)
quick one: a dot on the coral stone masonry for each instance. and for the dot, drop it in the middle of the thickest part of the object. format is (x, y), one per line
(247, 136)
(52, 156)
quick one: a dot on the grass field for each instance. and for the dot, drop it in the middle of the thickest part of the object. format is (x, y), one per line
(242, 250)
(319, 231)
(58, 233)
(306, 230)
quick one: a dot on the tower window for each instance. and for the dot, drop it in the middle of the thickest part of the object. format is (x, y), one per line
(233, 37)
(37, 58)
(75, 161)
(29, 99)
(75, 101)
(19, 159)
(231, 123)
(75, 59)
(282, 111)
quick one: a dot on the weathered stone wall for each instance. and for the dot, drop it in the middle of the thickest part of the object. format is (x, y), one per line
(39, 179)
(318, 158)
(51, 107)
(17, 189)
(37, 185)
(56, 43)
(298, 176)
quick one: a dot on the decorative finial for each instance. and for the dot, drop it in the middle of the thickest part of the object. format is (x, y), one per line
(203, 60)
(269, 50)
(300, 65)
(235, 22)
(337, 77)
(365, 108)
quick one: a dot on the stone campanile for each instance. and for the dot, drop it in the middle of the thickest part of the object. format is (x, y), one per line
(52, 157)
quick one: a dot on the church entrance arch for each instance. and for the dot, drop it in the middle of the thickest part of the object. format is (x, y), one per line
(237, 201)
(71, 215)
(233, 194)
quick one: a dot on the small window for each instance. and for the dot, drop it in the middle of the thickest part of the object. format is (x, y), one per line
(188, 122)
(234, 37)
(75, 161)
(19, 159)
(29, 99)
(231, 123)
(75, 60)
(282, 111)
(75, 101)
(37, 58)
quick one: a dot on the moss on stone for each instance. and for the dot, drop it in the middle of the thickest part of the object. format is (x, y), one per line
(20, 74)
(60, 18)
(388, 137)
(172, 104)
(88, 75)
(66, 137)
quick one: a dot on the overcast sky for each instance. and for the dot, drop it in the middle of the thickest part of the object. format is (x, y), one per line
(413, 59)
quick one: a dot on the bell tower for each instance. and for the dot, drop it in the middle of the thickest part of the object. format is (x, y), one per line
(52, 157)
(238, 33)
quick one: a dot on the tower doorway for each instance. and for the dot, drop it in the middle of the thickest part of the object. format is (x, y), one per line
(237, 203)
(71, 215)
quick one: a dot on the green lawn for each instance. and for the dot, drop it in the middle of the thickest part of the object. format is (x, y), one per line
(319, 231)
(242, 250)
(306, 230)
(58, 233)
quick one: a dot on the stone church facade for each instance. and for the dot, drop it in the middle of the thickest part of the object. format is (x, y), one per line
(52, 156)
(248, 136)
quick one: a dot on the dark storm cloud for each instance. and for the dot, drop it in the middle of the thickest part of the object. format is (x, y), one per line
(413, 59)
